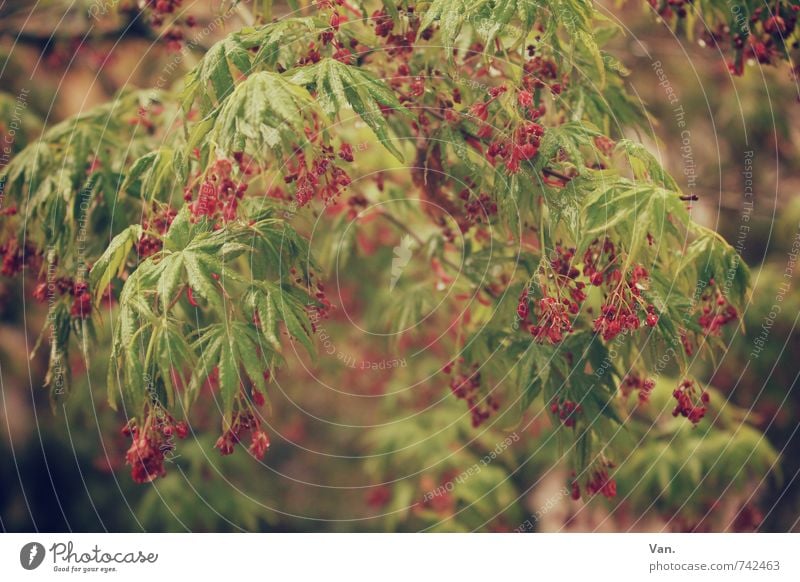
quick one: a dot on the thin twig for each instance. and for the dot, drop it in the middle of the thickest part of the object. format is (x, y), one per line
(419, 241)
(554, 174)
(403, 227)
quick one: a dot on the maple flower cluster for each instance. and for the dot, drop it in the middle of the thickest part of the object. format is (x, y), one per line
(16, 256)
(622, 310)
(523, 145)
(765, 38)
(167, 12)
(467, 387)
(566, 411)
(219, 194)
(624, 305)
(154, 226)
(554, 311)
(691, 401)
(244, 422)
(716, 311)
(323, 177)
(598, 482)
(151, 444)
(634, 381)
(81, 307)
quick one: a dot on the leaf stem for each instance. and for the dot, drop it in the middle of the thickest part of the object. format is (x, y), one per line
(175, 299)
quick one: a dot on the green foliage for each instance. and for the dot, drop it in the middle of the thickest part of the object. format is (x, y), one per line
(212, 81)
(339, 87)
(215, 300)
(150, 345)
(112, 262)
(265, 110)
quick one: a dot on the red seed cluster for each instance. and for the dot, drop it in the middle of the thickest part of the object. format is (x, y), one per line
(600, 482)
(259, 444)
(716, 311)
(164, 7)
(379, 496)
(150, 445)
(402, 43)
(624, 308)
(633, 382)
(323, 178)
(478, 209)
(257, 395)
(16, 256)
(574, 488)
(355, 204)
(346, 152)
(566, 411)
(82, 303)
(81, 307)
(552, 320)
(12, 258)
(624, 304)
(554, 311)
(181, 429)
(766, 41)
(219, 194)
(562, 264)
(541, 72)
(383, 23)
(244, 422)
(154, 225)
(467, 387)
(145, 459)
(523, 306)
(671, 8)
(689, 404)
(164, 12)
(480, 110)
(523, 146)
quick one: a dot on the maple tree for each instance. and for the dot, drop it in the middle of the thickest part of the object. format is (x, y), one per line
(177, 221)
